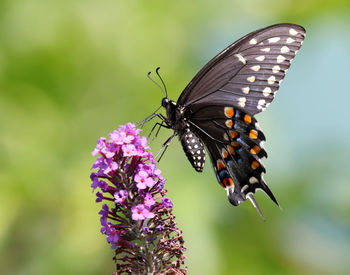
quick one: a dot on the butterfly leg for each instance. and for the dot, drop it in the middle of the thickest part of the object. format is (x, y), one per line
(149, 118)
(160, 125)
(164, 147)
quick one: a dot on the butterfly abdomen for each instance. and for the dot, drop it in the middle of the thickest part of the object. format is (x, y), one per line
(193, 148)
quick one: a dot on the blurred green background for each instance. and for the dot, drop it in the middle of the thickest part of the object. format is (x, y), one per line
(72, 71)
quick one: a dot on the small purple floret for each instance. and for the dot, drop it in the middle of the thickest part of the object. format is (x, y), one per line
(141, 212)
(146, 230)
(167, 202)
(149, 200)
(120, 196)
(143, 180)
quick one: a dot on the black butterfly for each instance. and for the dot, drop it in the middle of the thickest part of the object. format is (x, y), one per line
(216, 108)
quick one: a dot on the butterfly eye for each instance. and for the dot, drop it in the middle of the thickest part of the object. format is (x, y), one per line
(165, 102)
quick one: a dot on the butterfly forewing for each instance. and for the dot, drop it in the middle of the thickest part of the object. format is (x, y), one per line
(248, 73)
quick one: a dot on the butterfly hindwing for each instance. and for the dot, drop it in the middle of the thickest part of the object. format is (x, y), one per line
(248, 73)
(234, 141)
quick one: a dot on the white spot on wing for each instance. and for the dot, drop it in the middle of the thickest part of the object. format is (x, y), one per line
(251, 78)
(267, 91)
(271, 79)
(261, 104)
(245, 90)
(293, 32)
(274, 39)
(260, 58)
(266, 50)
(290, 40)
(241, 58)
(284, 49)
(255, 68)
(253, 41)
(253, 180)
(242, 101)
(276, 69)
(280, 58)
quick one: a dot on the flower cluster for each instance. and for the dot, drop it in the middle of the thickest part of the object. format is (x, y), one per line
(136, 216)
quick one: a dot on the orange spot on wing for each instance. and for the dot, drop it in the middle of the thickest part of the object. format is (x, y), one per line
(227, 182)
(255, 149)
(235, 144)
(233, 134)
(253, 134)
(220, 165)
(231, 150)
(224, 153)
(229, 112)
(248, 119)
(229, 123)
(255, 164)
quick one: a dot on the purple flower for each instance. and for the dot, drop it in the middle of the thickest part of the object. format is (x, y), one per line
(145, 230)
(129, 150)
(167, 202)
(99, 196)
(109, 165)
(141, 212)
(160, 228)
(149, 200)
(99, 183)
(112, 237)
(129, 129)
(120, 196)
(136, 216)
(143, 180)
(120, 138)
(101, 144)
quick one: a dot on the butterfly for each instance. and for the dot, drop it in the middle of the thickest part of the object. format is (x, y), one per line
(216, 109)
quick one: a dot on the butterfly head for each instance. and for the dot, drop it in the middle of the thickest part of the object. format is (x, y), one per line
(170, 107)
(165, 102)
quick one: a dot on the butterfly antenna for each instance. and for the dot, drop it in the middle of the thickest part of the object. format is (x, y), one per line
(161, 79)
(149, 76)
(255, 204)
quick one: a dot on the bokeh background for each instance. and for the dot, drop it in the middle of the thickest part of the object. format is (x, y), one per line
(72, 71)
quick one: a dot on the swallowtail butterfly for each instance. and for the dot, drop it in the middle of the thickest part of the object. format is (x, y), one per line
(216, 110)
